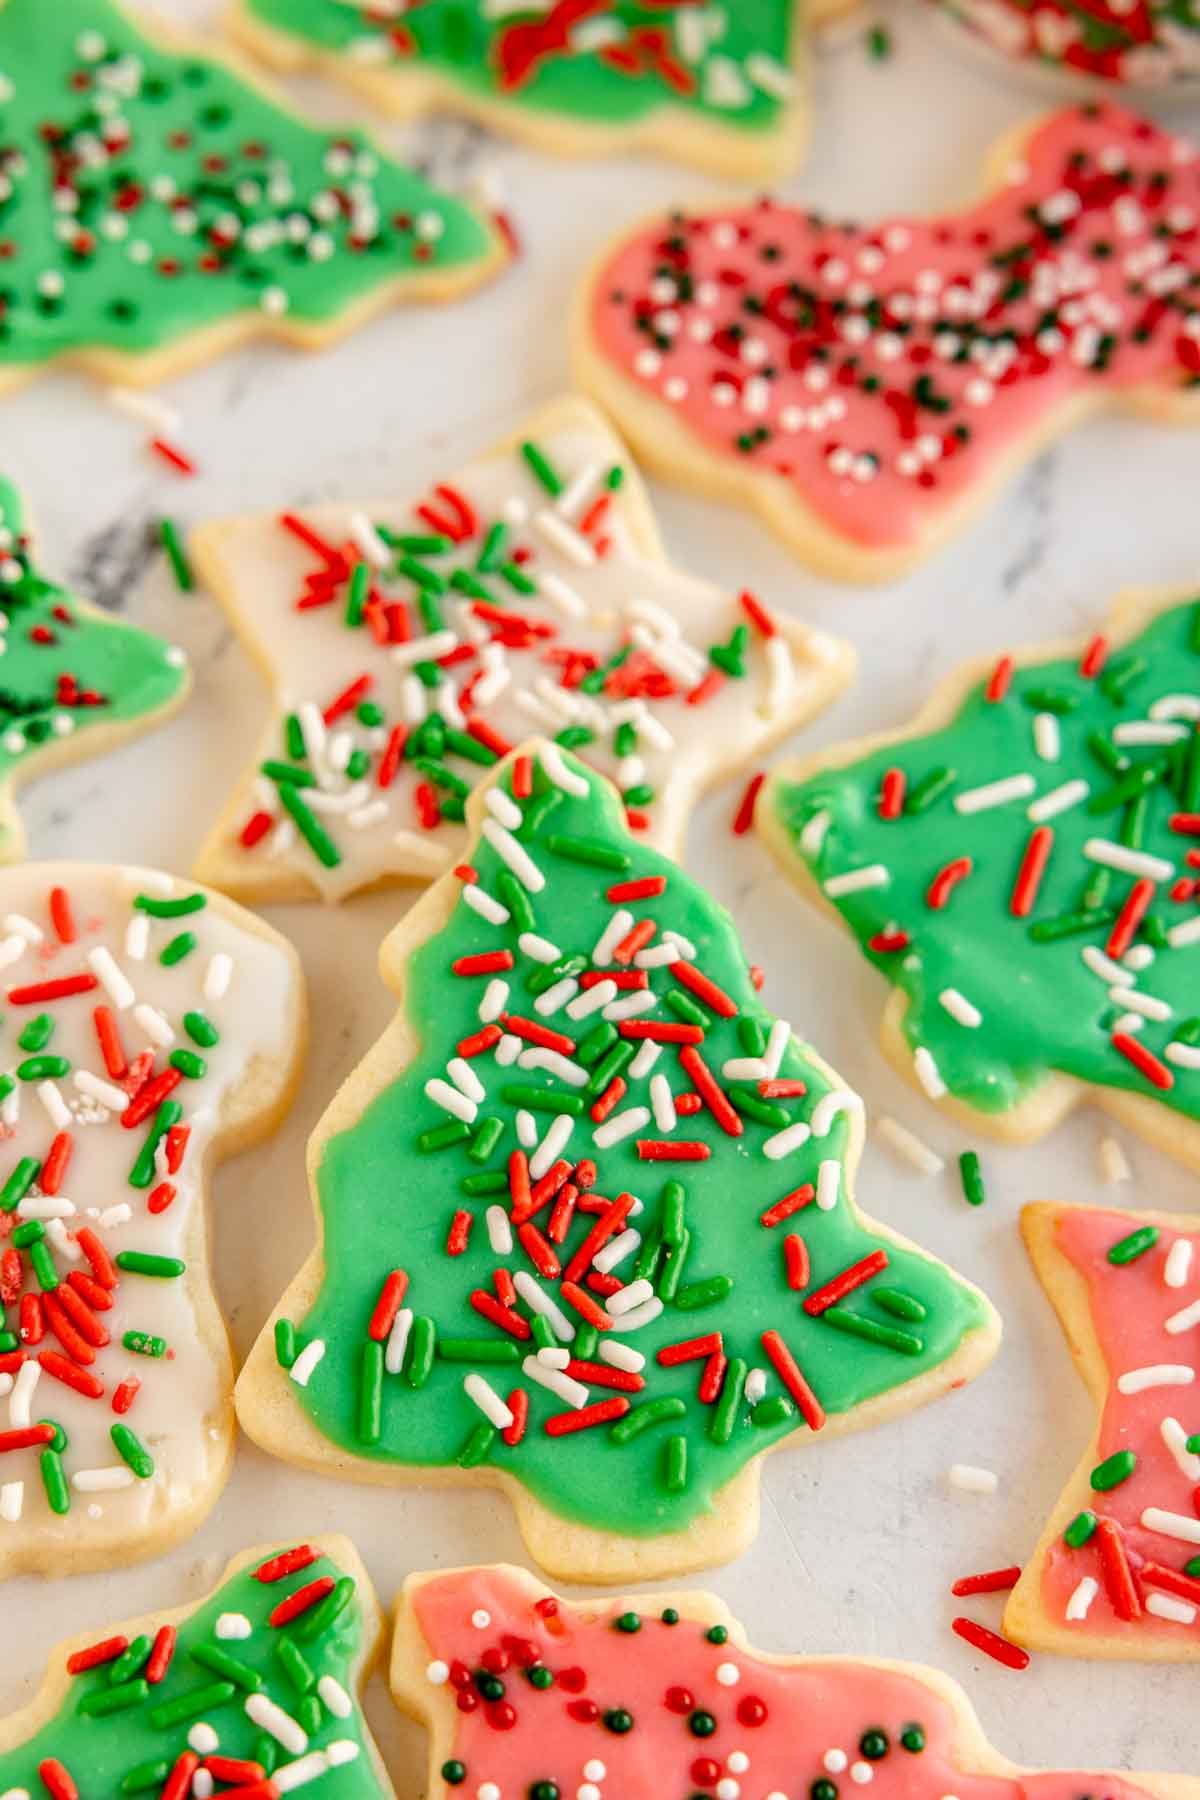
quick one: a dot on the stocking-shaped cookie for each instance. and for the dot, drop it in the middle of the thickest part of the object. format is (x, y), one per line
(867, 388)
(72, 680)
(527, 1694)
(587, 1212)
(156, 209)
(255, 1690)
(1117, 1570)
(410, 644)
(1022, 864)
(149, 1027)
(719, 86)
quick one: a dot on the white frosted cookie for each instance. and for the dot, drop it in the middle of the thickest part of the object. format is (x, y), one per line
(409, 644)
(149, 1029)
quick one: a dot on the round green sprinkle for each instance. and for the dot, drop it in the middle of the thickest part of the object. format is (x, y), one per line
(1080, 1529)
(617, 1719)
(874, 1744)
(490, 1686)
(1128, 1249)
(544, 1790)
(628, 1621)
(823, 1790)
(1113, 1470)
(912, 1738)
(716, 1634)
(141, 1262)
(454, 1772)
(669, 1615)
(540, 1676)
(1192, 1567)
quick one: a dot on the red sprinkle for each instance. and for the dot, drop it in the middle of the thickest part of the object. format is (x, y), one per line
(788, 1370)
(646, 887)
(391, 1298)
(1029, 875)
(1094, 657)
(300, 1600)
(518, 1406)
(791, 1203)
(710, 1091)
(162, 1651)
(179, 1780)
(498, 1314)
(689, 976)
(690, 1349)
(602, 1413)
(459, 1234)
(71, 1375)
(992, 1581)
(1000, 680)
(946, 880)
(522, 778)
(1143, 1060)
(1119, 1582)
(795, 1262)
(991, 1643)
(288, 1562)
(173, 457)
(487, 962)
(63, 988)
(96, 1655)
(105, 1021)
(125, 1395)
(1125, 926)
(673, 1150)
(57, 1781)
(61, 916)
(891, 794)
(846, 1282)
(757, 614)
(743, 818)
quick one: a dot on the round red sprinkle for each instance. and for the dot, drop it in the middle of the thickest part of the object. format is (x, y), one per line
(751, 1710)
(679, 1700)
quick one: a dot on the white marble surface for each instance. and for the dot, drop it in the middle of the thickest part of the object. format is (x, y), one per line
(860, 1538)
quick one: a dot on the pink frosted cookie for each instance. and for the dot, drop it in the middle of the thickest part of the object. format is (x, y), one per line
(867, 388)
(1117, 1569)
(529, 1695)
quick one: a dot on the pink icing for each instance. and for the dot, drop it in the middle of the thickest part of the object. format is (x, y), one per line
(1129, 1306)
(876, 466)
(808, 1709)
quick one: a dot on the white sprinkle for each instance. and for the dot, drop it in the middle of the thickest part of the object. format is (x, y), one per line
(1114, 1164)
(103, 1481)
(648, 1054)
(639, 1316)
(1047, 737)
(1184, 1056)
(495, 999)
(301, 1772)
(1179, 936)
(334, 1697)
(618, 927)
(782, 1143)
(565, 539)
(1136, 732)
(1166, 1606)
(20, 1403)
(488, 1401)
(430, 648)
(302, 1369)
(271, 1718)
(623, 1125)
(137, 937)
(537, 948)
(1135, 1381)
(995, 793)
(1172, 1524)
(56, 1107)
(630, 1006)
(561, 594)
(1178, 1265)
(1101, 965)
(1183, 1320)
(756, 1386)
(592, 999)
(970, 1479)
(499, 1230)
(829, 1182)
(855, 880)
(233, 1625)
(928, 1073)
(616, 1250)
(571, 1392)
(111, 977)
(663, 1103)
(621, 1356)
(526, 1129)
(728, 1674)
(561, 774)
(628, 1298)
(465, 1079)
(483, 903)
(1136, 1001)
(552, 1145)
(154, 1024)
(147, 409)
(1128, 862)
(218, 976)
(515, 855)
(437, 1673)
(449, 1098)
(909, 1147)
(397, 1344)
(536, 1297)
(1058, 800)
(12, 1500)
(1082, 1595)
(203, 1739)
(1176, 1439)
(830, 1106)
(960, 1008)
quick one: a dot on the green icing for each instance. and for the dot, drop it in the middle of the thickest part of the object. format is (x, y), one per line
(65, 667)
(1043, 1007)
(145, 195)
(100, 1751)
(385, 1204)
(608, 61)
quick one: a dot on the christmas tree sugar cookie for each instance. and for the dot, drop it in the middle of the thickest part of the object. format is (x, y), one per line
(868, 388)
(721, 86)
(73, 680)
(147, 1028)
(1022, 864)
(410, 644)
(254, 1689)
(157, 209)
(1117, 1570)
(587, 1212)
(528, 1694)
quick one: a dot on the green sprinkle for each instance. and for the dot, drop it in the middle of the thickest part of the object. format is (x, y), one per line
(673, 1256)
(724, 1413)
(899, 1304)
(684, 1007)
(131, 1450)
(879, 43)
(310, 828)
(141, 1262)
(145, 1775)
(913, 1739)
(422, 1340)
(314, 1623)
(190, 1706)
(752, 1106)
(1128, 1249)
(538, 811)
(43, 1267)
(483, 1350)
(599, 1039)
(1080, 1529)
(37, 1033)
(487, 1136)
(494, 1181)
(922, 795)
(142, 1343)
(229, 1668)
(513, 896)
(286, 1348)
(58, 1495)
(493, 546)
(542, 469)
(889, 1337)
(201, 1030)
(356, 595)
(536, 1099)
(1090, 918)
(974, 1191)
(189, 1064)
(296, 1665)
(172, 543)
(587, 1340)
(143, 1171)
(103, 1701)
(776, 1410)
(293, 774)
(628, 1622)
(43, 1068)
(543, 1335)
(159, 908)
(1192, 1567)
(445, 1136)
(130, 1660)
(704, 1293)
(751, 1036)
(1113, 1471)
(30, 1231)
(293, 738)
(673, 1199)
(615, 1063)
(675, 1465)
(370, 1393)
(651, 1412)
(19, 1183)
(592, 851)
(180, 946)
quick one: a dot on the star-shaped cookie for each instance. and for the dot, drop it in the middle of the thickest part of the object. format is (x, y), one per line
(409, 644)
